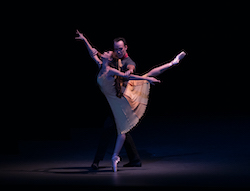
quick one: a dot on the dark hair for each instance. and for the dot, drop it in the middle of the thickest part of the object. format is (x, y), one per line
(118, 86)
(120, 39)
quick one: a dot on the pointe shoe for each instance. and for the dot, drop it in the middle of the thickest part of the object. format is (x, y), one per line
(179, 57)
(115, 160)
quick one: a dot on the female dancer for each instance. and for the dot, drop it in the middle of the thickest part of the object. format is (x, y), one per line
(130, 107)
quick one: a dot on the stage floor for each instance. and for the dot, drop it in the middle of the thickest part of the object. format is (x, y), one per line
(175, 153)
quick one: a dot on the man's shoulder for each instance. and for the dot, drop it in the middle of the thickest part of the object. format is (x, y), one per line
(129, 61)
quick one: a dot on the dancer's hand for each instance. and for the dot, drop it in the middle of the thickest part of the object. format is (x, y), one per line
(92, 51)
(127, 73)
(81, 37)
(153, 80)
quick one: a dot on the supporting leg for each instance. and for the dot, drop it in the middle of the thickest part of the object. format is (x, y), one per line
(119, 143)
(118, 146)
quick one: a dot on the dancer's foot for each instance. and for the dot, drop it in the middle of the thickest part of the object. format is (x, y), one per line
(115, 160)
(179, 57)
(95, 165)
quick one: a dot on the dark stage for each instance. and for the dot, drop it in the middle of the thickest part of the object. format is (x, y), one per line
(195, 133)
(211, 152)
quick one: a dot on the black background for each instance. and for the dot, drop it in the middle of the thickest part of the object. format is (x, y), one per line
(50, 84)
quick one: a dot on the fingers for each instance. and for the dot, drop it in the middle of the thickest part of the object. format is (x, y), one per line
(155, 81)
(127, 73)
(78, 33)
(78, 38)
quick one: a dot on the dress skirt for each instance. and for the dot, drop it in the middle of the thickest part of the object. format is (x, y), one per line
(128, 109)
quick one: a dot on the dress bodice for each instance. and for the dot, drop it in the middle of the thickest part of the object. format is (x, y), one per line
(106, 85)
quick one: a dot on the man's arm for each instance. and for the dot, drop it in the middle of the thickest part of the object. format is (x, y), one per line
(131, 68)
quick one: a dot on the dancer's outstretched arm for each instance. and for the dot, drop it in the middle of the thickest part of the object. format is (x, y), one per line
(159, 70)
(113, 71)
(92, 51)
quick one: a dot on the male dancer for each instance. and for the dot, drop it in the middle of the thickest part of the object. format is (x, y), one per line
(128, 66)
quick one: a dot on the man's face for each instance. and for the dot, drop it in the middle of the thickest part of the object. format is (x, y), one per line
(120, 49)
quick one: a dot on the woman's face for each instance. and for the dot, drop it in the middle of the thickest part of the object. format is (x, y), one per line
(107, 55)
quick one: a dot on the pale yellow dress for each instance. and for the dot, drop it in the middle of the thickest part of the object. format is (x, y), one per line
(128, 109)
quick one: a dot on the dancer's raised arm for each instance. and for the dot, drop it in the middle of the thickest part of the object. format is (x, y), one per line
(92, 51)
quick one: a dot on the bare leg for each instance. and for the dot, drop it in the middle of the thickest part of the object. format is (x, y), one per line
(159, 70)
(119, 143)
(118, 146)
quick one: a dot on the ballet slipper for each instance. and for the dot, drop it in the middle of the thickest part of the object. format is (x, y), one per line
(115, 160)
(179, 57)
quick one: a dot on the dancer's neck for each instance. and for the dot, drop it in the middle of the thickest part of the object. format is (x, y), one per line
(104, 65)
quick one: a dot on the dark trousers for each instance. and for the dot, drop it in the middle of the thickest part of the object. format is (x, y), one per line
(109, 130)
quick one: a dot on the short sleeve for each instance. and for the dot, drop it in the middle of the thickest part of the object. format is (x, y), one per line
(127, 61)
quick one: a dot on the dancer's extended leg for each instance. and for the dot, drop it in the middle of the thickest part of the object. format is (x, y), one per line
(159, 70)
(118, 146)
